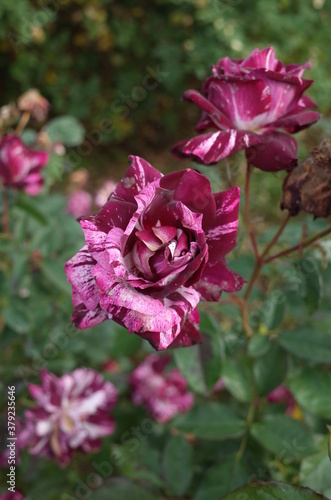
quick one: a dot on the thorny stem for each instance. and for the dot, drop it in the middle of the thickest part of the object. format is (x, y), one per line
(5, 213)
(23, 122)
(302, 244)
(246, 213)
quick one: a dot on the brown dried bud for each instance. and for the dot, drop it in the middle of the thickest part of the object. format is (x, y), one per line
(308, 186)
(33, 102)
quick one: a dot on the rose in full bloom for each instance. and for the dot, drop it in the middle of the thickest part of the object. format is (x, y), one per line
(164, 394)
(72, 414)
(20, 165)
(152, 252)
(247, 102)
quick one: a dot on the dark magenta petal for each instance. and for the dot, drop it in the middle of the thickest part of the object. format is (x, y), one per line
(212, 147)
(294, 122)
(137, 177)
(276, 152)
(217, 278)
(241, 101)
(214, 113)
(190, 334)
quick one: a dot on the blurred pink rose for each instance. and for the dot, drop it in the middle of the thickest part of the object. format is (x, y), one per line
(282, 395)
(79, 203)
(248, 101)
(152, 252)
(20, 165)
(163, 394)
(72, 414)
(9, 495)
(104, 192)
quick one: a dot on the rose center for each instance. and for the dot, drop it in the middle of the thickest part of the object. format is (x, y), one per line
(161, 250)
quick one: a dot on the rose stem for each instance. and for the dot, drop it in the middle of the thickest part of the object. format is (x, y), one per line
(246, 212)
(23, 122)
(5, 213)
(249, 420)
(302, 244)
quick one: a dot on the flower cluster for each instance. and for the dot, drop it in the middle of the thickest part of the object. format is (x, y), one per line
(72, 414)
(152, 252)
(163, 394)
(248, 101)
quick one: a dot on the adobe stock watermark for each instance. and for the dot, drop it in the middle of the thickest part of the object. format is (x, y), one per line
(122, 106)
(102, 471)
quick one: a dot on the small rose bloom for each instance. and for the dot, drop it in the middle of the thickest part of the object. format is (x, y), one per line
(72, 414)
(152, 252)
(164, 394)
(33, 102)
(79, 203)
(20, 165)
(247, 102)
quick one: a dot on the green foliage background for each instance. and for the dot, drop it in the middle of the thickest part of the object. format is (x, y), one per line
(84, 55)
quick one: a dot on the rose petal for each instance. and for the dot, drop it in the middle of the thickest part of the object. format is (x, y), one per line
(217, 278)
(276, 152)
(214, 146)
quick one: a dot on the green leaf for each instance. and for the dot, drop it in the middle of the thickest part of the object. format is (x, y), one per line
(274, 309)
(283, 436)
(220, 479)
(210, 421)
(270, 370)
(177, 465)
(310, 282)
(31, 209)
(210, 351)
(308, 343)
(258, 345)
(273, 490)
(238, 379)
(120, 488)
(53, 271)
(311, 389)
(315, 470)
(189, 363)
(65, 129)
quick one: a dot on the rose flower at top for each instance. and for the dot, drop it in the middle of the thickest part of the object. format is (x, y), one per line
(20, 165)
(152, 251)
(248, 101)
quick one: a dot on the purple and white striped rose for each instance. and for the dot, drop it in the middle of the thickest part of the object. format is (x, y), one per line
(72, 414)
(152, 252)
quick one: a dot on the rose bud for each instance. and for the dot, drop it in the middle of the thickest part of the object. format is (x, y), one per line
(308, 187)
(247, 102)
(164, 394)
(20, 165)
(152, 252)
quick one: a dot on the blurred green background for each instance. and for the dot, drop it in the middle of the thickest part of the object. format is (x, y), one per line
(121, 66)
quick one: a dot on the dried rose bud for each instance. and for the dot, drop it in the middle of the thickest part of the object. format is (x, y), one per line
(33, 102)
(308, 186)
